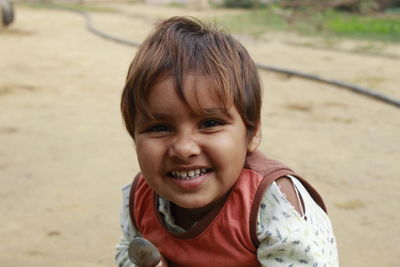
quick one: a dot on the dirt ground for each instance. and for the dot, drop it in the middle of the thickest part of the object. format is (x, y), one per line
(64, 153)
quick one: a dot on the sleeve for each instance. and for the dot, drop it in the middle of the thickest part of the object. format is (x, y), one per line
(128, 231)
(290, 239)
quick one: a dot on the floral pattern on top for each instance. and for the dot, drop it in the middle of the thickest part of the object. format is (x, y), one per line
(288, 238)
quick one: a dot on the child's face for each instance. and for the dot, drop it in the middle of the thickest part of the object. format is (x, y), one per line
(189, 158)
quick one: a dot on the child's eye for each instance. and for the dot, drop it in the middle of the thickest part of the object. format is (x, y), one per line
(210, 123)
(159, 128)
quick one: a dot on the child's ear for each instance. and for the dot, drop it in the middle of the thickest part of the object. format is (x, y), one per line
(254, 139)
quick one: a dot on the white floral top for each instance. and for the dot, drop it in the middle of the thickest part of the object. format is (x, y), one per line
(286, 238)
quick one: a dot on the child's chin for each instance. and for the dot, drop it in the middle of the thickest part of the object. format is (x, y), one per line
(192, 205)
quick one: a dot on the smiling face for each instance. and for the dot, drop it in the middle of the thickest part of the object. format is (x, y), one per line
(191, 158)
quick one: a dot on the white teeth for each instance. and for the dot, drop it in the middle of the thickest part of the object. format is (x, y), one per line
(187, 175)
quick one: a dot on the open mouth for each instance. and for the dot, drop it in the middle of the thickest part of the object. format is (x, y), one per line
(188, 175)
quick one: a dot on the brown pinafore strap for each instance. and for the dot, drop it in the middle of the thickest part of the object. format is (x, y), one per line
(271, 170)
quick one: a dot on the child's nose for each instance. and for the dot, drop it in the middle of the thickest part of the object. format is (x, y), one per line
(184, 147)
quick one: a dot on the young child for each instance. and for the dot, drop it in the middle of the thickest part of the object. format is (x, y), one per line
(205, 196)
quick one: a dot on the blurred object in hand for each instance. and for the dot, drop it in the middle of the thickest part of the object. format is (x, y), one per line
(7, 12)
(143, 253)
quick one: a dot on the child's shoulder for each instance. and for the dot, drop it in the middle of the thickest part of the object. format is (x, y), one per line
(275, 171)
(260, 163)
(288, 189)
(126, 187)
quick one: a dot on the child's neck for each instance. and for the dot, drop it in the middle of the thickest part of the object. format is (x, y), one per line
(186, 218)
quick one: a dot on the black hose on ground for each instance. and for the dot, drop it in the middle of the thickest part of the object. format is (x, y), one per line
(354, 88)
(91, 28)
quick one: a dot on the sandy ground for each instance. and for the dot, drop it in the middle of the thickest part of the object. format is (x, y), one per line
(64, 153)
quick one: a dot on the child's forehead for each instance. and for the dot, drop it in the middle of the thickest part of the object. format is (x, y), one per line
(192, 87)
(199, 92)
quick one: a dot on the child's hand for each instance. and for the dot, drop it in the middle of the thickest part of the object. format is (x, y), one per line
(163, 262)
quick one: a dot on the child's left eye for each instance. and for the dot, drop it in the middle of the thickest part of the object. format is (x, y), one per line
(210, 123)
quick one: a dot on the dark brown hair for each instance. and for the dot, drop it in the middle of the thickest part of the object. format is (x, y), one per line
(182, 45)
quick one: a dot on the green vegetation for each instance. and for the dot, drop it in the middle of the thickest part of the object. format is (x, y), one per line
(177, 4)
(363, 26)
(238, 3)
(327, 23)
(252, 22)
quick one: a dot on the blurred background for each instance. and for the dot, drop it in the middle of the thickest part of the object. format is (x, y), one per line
(64, 152)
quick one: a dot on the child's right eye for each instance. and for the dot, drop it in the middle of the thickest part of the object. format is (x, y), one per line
(159, 128)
